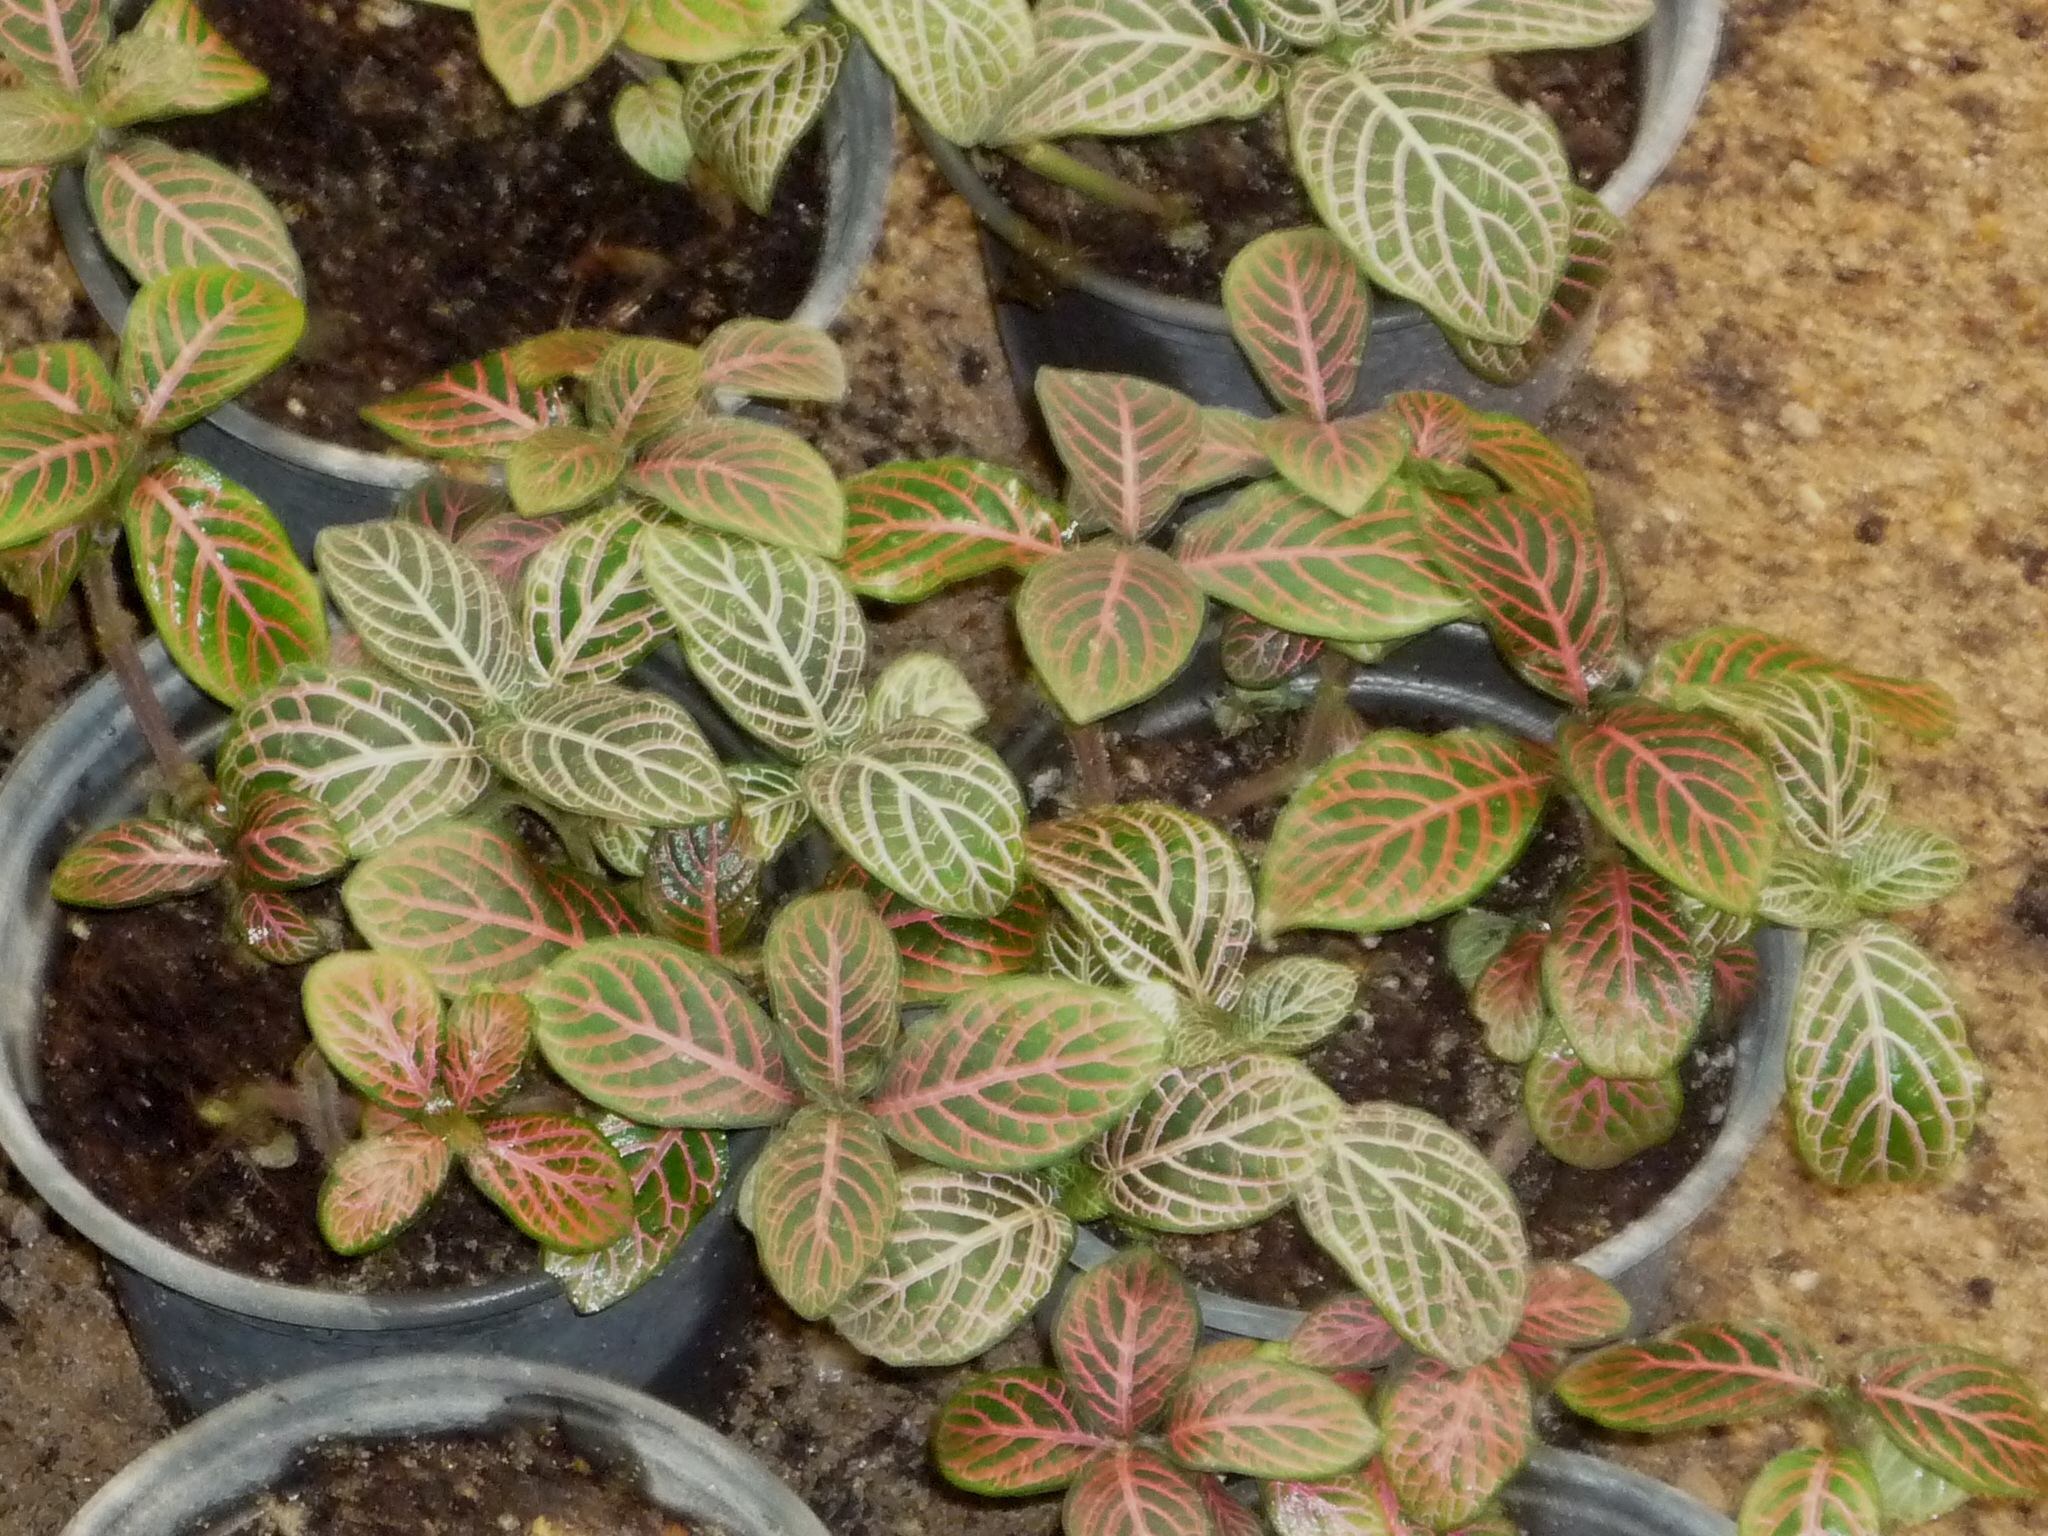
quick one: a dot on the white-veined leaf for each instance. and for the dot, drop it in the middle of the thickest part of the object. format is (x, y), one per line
(959, 61)
(746, 114)
(595, 749)
(704, 31)
(1901, 866)
(648, 119)
(1295, 1002)
(1512, 26)
(747, 478)
(584, 602)
(922, 686)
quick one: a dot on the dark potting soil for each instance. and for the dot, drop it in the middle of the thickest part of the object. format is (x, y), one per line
(437, 222)
(152, 1012)
(526, 1480)
(1238, 178)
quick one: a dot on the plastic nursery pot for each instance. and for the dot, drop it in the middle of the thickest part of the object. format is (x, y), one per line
(311, 484)
(237, 1452)
(208, 1333)
(1562, 1493)
(1099, 321)
(1454, 674)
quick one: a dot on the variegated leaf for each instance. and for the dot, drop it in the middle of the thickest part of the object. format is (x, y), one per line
(922, 686)
(485, 1040)
(451, 508)
(559, 469)
(1360, 1504)
(1125, 1332)
(1228, 449)
(1132, 1491)
(1399, 829)
(42, 574)
(1256, 655)
(379, 1185)
(771, 803)
(231, 601)
(1590, 1121)
(775, 360)
(703, 31)
(505, 546)
(1341, 464)
(1017, 1073)
(1424, 1226)
(196, 337)
(1883, 1085)
(1473, 940)
(1439, 427)
(1346, 1333)
(772, 633)
(748, 478)
(1160, 892)
(1812, 1492)
(930, 812)
(746, 114)
(969, 1257)
(558, 1180)
(595, 909)
(1512, 26)
(536, 48)
(40, 127)
(214, 75)
(1265, 1418)
(836, 983)
(616, 753)
(284, 841)
(1966, 1417)
(959, 62)
(65, 376)
(824, 1199)
(1454, 1438)
(675, 1176)
(1293, 1003)
(1921, 709)
(701, 886)
(1569, 1309)
(476, 410)
(1900, 866)
(914, 527)
(275, 928)
(1532, 467)
(584, 603)
(56, 42)
(1507, 999)
(1621, 977)
(1123, 441)
(377, 1020)
(160, 209)
(1695, 1377)
(944, 956)
(555, 355)
(1013, 1433)
(56, 467)
(660, 1035)
(640, 387)
(647, 120)
(24, 194)
(1300, 311)
(1589, 263)
(136, 861)
(1806, 890)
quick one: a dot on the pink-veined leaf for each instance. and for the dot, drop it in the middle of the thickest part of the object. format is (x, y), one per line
(1400, 829)
(1342, 464)
(1284, 557)
(1507, 1000)
(42, 127)
(1227, 450)
(1589, 263)
(1545, 582)
(285, 840)
(660, 1035)
(1125, 1331)
(1921, 709)
(1229, 1517)
(1439, 425)
(1531, 466)
(821, 1201)
(942, 956)
(161, 210)
(836, 983)
(451, 508)
(41, 574)
(377, 1020)
(553, 355)
(506, 545)
(1360, 1504)
(55, 468)
(1621, 976)
(1683, 792)
(1590, 1121)
(642, 387)
(676, 1175)
(197, 337)
(275, 927)
(594, 910)
(1695, 1377)
(557, 1179)
(1813, 1492)
(535, 48)
(746, 477)
(1130, 1491)
(231, 600)
(1965, 1416)
(214, 75)
(1300, 310)
(559, 469)
(55, 42)
(1107, 625)
(1571, 1308)
(1013, 1433)
(24, 194)
(1262, 1418)
(135, 861)
(914, 527)
(1736, 973)
(65, 376)
(1454, 1438)
(1018, 1073)
(484, 1045)
(1124, 442)
(379, 1185)
(1345, 1333)
(476, 410)
(701, 886)
(774, 360)
(1258, 655)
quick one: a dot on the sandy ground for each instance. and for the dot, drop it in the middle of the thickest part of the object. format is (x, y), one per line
(1817, 406)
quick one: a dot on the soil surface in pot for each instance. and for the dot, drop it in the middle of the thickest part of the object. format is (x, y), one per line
(527, 1481)
(1237, 177)
(437, 223)
(1413, 1040)
(150, 1013)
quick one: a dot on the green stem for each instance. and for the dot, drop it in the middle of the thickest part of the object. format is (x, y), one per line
(1091, 758)
(1328, 711)
(1055, 164)
(113, 628)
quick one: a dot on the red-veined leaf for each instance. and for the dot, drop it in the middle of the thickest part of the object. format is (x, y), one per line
(1695, 1377)
(1013, 1433)
(557, 1178)
(1124, 443)
(1964, 1416)
(42, 127)
(1341, 464)
(55, 41)
(642, 387)
(1263, 1418)
(660, 1035)
(1257, 655)
(1107, 625)
(1589, 263)
(135, 861)
(484, 1044)
(914, 527)
(559, 469)
(451, 508)
(821, 1202)
(379, 1185)
(285, 840)
(1344, 1333)
(941, 956)
(675, 1176)
(1531, 466)
(1921, 709)
(1683, 792)
(231, 601)
(554, 355)
(275, 927)
(1812, 1492)
(1439, 425)
(1125, 1331)
(1571, 1308)
(1399, 829)
(41, 574)
(214, 75)
(1130, 1491)
(1507, 1000)
(1228, 1516)
(701, 886)
(197, 337)
(594, 910)
(836, 983)
(1621, 976)
(1454, 1438)
(1358, 1505)
(24, 194)
(535, 48)
(746, 477)
(1590, 1121)
(162, 209)
(55, 468)
(377, 1020)
(774, 360)
(1736, 972)
(1299, 310)
(1227, 450)
(476, 410)
(65, 376)
(505, 546)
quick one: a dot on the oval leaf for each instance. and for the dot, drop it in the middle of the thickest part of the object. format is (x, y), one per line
(1812, 1492)
(747, 114)
(675, 1176)
(1590, 1121)
(1013, 1433)
(913, 528)
(1124, 443)
(775, 360)
(746, 477)
(197, 337)
(536, 48)
(557, 1179)
(1964, 1416)
(285, 841)
(836, 984)
(160, 209)
(378, 1186)
(616, 753)
(475, 410)
(1125, 1331)
(1262, 1418)
(56, 467)
(136, 861)
(1621, 976)
(1106, 626)
(944, 956)
(1508, 998)
(1454, 1438)
(1300, 310)
(584, 603)
(824, 1198)
(1696, 1377)
(958, 62)
(1131, 1491)
(377, 1020)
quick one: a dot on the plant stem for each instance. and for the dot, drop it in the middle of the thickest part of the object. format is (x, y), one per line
(113, 629)
(1320, 732)
(1091, 757)
(1272, 784)
(640, 66)
(1055, 164)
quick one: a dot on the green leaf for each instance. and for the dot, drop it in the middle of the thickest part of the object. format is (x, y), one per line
(1590, 1121)
(65, 376)
(1454, 1438)
(559, 469)
(775, 360)
(836, 984)
(475, 410)
(536, 48)
(944, 956)
(1883, 1085)
(1811, 1492)
(584, 603)
(451, 508)
(24, 194)
(1342, 464)
(1966, 1417)
(958, 61)
(558, 1180)
(648, 121)
(1681, 792)
(922, 686)
(1806, 890)
(1358, 1505)
(1621, 977)
(1124, 443)
(1439, 431)
(377, 1020)
(1160, 893)
(379, 1186)
(1399, 829)
(136, 861)
(230, 600)
(1257, 656)
(660, 1035)
(1478, 229)
(1345, 1333)
(1284, 557)
(676, 1176)
(1589, 264)
(1125, 1332)
(56, 467)
(1013, 1433)
(1424, 1226)
(1696, 1377)
(198, 337)
(1296, 1002)
(1227, 450)
(1116, 67)
(485, 1040)
(641, 387)
(160, 209)
(213, 74)
(1300, 310)
(1923, 710)
(41, 574)
(969, 1257)
(55, 42)
(614, 753)
(1216, 1147)
(1505, 26)
(1507, 998)
(1017, 1073)
(930, 812)
(1474, 939)
(1907, 1492)
(1531, 466)
(384, 760)
(40, 127)
(425, 609)
(914, 527)
(747, 113)
(1107, 626)
(703, 31)
(1132, 1491)
(1263, 1418)
(1900, 866)
(1571, 1308)
(701, 886)
(771, 803)
(745, 477)
(824, 1200)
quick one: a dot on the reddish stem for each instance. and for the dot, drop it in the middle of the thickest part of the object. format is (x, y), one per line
(113, 629)
(1091, 757)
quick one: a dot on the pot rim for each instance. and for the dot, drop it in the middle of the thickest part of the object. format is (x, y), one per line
(245, 1444)
(35, 799)
(1424, 673)
(1563, 1479)
(1676, 74)
(855, 209)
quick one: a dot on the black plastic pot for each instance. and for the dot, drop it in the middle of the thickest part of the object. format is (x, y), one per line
(1453, 675)
(207, 1333)
(1565, 1494)
(1106, 323)
(311, 484)
(237, 1452)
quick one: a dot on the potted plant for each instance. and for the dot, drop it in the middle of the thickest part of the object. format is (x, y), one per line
(226, 1462)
